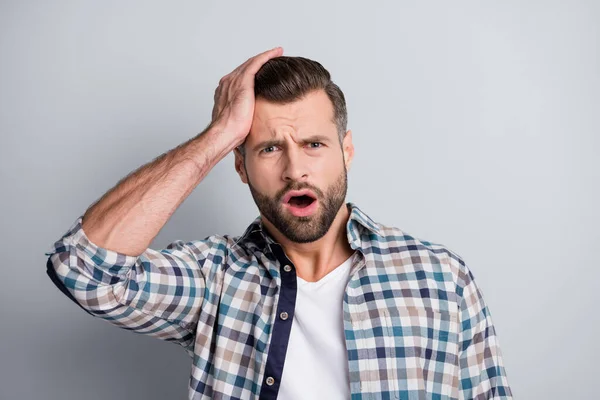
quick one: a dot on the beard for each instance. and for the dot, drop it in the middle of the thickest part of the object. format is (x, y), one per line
(309, 228)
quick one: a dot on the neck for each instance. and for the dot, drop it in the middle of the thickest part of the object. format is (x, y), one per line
(316, 259)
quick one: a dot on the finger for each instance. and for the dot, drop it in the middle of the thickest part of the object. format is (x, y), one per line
(251, 59)
(253, 64)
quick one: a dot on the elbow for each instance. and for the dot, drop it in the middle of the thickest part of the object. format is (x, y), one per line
(59, 280)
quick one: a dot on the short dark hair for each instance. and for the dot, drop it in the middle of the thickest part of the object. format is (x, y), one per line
(287, 79)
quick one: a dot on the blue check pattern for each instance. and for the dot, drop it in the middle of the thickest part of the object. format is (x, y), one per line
(415, 322)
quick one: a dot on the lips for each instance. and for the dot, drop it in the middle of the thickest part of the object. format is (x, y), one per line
(300, 203)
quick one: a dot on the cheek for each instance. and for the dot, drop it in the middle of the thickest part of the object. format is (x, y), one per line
(332, 167)
(326, 173)
(263, 177)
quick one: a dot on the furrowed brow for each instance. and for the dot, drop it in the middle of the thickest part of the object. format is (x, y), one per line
(275, 142)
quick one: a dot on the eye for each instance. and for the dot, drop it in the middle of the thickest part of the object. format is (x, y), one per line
(269, 149)
(315, 145)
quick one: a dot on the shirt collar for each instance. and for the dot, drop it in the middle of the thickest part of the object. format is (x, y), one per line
(358, 224)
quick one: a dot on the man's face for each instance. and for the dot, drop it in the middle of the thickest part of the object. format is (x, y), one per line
(295, 166)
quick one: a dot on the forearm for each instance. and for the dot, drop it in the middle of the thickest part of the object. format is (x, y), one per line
(130, 215)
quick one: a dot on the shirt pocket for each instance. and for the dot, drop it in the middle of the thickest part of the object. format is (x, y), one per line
(423, 341)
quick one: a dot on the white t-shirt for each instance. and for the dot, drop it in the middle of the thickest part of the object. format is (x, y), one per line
(316, 363)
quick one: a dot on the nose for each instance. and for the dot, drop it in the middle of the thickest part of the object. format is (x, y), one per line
(295, 167)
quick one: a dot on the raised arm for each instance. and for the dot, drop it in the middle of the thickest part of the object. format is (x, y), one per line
(128, 217)
(103, 262)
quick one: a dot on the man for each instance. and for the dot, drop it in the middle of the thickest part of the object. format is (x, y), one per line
(315, 300)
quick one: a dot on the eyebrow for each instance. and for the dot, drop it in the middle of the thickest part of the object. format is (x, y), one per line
(310, 139)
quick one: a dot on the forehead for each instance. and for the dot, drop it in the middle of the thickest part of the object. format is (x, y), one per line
(313, 113)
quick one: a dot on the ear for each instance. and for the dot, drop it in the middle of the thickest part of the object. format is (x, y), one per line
(348, 149)
(239, 165)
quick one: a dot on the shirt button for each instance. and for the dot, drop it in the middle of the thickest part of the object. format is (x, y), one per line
(270, 381)
(287, 268)
(283, 315)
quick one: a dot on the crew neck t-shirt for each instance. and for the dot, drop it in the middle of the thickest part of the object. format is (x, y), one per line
(316, 364)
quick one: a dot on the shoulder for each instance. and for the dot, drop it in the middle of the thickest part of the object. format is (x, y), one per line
(213, 247)
(219, 249)
(420, 250)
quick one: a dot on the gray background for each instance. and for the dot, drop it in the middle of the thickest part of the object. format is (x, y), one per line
(475, 125)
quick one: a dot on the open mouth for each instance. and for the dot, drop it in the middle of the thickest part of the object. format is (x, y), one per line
(300, 202)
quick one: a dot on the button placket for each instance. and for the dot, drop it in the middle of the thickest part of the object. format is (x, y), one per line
(281, 329)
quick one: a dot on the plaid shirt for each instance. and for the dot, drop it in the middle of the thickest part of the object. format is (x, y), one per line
(416, 324)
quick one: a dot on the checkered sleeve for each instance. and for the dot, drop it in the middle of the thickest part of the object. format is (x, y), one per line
(158, 293)
(482, 372)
